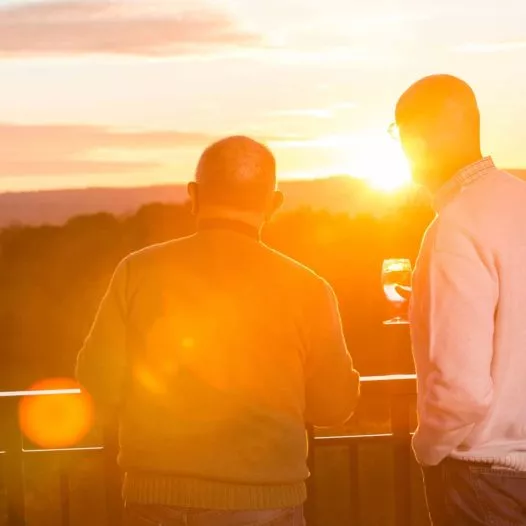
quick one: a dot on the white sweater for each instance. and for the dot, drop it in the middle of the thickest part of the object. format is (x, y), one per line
(468, 322)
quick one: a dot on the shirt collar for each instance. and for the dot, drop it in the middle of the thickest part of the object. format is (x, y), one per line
(232, 225)
(464, 177)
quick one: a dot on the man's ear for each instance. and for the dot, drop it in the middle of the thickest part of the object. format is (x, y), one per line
(193, 194)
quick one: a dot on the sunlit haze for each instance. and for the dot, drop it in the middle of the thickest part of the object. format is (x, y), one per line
(127, 93)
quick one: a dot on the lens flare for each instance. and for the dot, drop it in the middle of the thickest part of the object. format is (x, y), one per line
(56, 421)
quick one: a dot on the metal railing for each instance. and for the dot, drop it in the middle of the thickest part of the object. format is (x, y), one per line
(397, 390)
(13, 456)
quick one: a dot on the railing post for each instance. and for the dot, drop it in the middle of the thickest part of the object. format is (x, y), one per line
(65, 507)
(354, 474)
(112, 475)
(310, 506)
(400, 426)
(14, 466)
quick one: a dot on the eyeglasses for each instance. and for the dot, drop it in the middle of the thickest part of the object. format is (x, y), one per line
(394, 131)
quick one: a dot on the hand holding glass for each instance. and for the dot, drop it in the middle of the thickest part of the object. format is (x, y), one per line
(396, 274)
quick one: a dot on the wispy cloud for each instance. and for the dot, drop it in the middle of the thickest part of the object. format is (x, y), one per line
(305, 112)
(19, 142)
(72, 150)
(57, 150)
(344, 106)
(326, 142)
(318, 113)
(81, 27)
(491, 47)
(61, 168)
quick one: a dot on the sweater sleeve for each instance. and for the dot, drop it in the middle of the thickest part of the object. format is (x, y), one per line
(452, 320)
(332, 384)
(101, 363)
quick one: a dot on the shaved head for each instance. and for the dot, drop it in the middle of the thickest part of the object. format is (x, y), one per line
(432, 96)
(238, 173)
(439, 126)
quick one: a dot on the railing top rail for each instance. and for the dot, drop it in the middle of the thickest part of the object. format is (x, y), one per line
(51, 392)
(389, 378)
(38, 392)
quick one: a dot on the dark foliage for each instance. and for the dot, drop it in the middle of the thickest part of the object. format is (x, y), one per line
(52, 278)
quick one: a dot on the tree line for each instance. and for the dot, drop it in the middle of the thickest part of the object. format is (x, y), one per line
(53, 277)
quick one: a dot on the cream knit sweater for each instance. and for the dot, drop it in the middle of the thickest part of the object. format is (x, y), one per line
(468, 322)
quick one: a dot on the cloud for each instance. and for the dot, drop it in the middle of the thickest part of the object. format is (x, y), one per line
(84, 27)
(70, 149)
(61, 168)
(17, 141)
(317, 113)
(491, 47)
(57, 150)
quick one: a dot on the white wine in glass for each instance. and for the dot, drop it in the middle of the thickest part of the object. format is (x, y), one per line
(396, 273)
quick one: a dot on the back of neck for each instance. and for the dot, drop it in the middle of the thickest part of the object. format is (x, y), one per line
(220, 214)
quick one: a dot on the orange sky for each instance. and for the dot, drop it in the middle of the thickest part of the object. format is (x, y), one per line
(128, 92)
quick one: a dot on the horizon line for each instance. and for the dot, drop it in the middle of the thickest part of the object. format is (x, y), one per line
(170, 184)
(184, 183)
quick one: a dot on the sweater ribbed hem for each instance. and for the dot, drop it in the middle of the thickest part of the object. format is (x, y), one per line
(165, 490)
(514, 461)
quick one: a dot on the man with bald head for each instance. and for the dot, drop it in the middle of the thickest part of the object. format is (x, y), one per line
(216, 350)
(237, 175)
(467, 312)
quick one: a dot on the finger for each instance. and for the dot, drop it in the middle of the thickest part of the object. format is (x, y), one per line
(404, 292)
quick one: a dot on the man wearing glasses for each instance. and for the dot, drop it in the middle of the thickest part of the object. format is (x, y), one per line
(467, 312)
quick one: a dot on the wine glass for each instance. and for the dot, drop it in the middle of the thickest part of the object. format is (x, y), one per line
(396, 273)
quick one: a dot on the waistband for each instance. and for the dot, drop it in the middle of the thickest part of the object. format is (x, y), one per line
(167, 490)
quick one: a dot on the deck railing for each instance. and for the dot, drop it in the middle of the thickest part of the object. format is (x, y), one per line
(396, 390)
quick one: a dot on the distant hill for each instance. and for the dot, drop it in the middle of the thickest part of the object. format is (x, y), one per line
(335, 194)
(57, 206)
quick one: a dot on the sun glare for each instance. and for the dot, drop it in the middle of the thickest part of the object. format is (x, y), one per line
(381, 163)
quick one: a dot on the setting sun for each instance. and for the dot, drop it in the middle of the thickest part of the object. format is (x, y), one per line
(381, 163)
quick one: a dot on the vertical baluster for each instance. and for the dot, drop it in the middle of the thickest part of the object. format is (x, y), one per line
(310, 506)
(14, 466)
(400, 423)
(112, 476)
(65, 503)
(354, 474)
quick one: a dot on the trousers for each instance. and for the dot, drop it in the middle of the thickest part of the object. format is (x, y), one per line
(462, 493)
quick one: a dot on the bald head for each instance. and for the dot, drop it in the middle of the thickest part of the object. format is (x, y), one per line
(439, 124)
(238, 173)
(432, 97)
